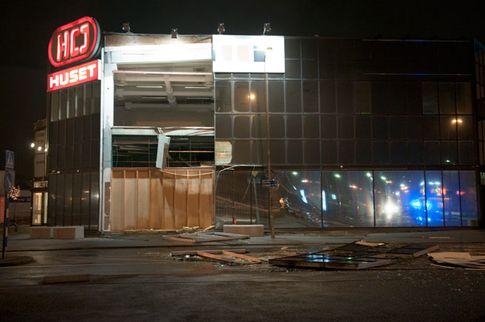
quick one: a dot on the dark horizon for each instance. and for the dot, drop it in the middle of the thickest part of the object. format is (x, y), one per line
(24, 66)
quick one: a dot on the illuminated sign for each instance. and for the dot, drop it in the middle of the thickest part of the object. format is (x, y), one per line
(74, 42)
(248, 54)
(76, 75)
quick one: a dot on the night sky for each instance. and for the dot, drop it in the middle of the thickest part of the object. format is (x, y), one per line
(27, 25)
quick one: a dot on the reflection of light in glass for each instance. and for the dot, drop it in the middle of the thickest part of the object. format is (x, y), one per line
(390, 208)
(457, 121)
(369, 175)
(303, 196)
(324, 201)
(383, 178)
(333, 196)
(403, 187)
(304, 181)
(252, 96)
(421, 183)
(353, 186)
(294, 173)
(294, 187)
(337, 175)
(448, 161)
(416, 204)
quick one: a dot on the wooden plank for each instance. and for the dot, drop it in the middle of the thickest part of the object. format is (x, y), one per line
(168, 221)
(117, 200)
(206, 203)
(156, 199)
(180, 239)
(212, 251)
(180, 199)
(130, 201)
(193, 183)
(216, 257)
(143, 199)
(247, 258)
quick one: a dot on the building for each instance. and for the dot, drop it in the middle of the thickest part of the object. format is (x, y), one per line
(39, 186)
(149, 131)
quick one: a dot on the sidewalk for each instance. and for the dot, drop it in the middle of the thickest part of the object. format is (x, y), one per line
(22, 242)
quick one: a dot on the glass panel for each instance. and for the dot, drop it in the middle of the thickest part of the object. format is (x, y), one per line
(447, 98)
(276, 96)
(468, 195)
(241, 96)
(310, 96)
(327, 96)
(257, 96)
(298, 199)
(430, 98)
(311, 126)
(347, 199)
(223, 96)
(399, 198)
(434, 199)
(241, 126)
(451, 198)
(240, 198)
(463, 98)
(293, 96)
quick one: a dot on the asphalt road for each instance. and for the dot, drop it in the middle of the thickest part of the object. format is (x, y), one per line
(147, 285)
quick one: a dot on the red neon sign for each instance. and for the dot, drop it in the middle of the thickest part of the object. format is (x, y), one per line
(73, 42)
(73, 76)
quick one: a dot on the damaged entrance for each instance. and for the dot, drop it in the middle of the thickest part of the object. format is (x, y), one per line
(162, 138)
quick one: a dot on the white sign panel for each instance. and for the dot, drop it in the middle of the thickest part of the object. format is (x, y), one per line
(248, 54)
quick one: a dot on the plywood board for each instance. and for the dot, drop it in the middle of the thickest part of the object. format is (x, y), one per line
(148, 198)
(193, 210)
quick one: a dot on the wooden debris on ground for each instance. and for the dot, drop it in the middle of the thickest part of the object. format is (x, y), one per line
(212, 251)
(228, 256)
(459, 259)
(355, 256)
(206, 237)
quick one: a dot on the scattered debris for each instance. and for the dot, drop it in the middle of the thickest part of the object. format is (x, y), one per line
(186, 229)
(204, 237)
(369, 244)
(459, 259)
(211, 251)
(354, 256)
(229, 256)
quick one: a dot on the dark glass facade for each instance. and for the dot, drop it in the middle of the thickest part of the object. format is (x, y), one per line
(368, 109)
(73, 156)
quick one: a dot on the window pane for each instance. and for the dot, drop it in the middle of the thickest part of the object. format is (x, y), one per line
(463, 98)
(451, 198)
(399, 198)
(310, 96)
(293, 96)
(327, 96)
(257, 96)
(434, 199)
(241, 126)
(347, 199)
(298, 198)
(276, 96)
(223, 96)
(430, 98)
(468, 198)
(447, 98)
(241, 96)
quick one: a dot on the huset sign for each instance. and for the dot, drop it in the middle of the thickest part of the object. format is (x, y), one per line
(76, 75)
(74, 42)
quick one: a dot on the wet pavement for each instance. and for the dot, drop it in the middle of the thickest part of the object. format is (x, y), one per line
(145, 284)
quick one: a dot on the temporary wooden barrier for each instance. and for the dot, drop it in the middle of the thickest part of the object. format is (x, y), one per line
(148, 198)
